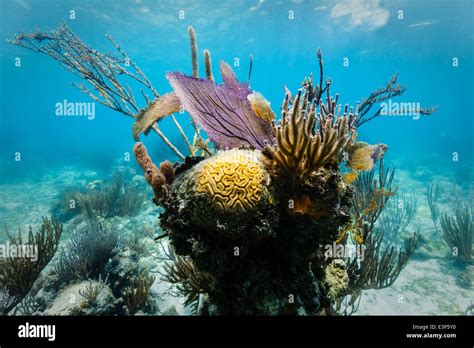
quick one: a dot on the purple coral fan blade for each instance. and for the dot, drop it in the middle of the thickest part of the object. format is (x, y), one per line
(222, 111)
(228, 76)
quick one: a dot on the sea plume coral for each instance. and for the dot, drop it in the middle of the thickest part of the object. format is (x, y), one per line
(372, 189)
(378, 269)
(138, 293)
(18, 274)
(457, 224)
(189, 282)
(86, 253)
(117, 197)
(458, 231)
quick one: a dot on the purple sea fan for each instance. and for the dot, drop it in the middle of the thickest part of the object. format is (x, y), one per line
(223, 111)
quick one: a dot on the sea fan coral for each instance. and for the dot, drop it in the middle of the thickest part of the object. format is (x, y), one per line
(223, 111)
(233, 180)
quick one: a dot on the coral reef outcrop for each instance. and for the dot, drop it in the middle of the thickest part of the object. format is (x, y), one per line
(226, 215)
(228, 195)
(250, 220)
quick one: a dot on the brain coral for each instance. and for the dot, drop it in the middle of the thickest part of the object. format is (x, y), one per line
(235, 181)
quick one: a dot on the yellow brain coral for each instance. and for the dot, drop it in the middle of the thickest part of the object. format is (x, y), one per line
(235, 181)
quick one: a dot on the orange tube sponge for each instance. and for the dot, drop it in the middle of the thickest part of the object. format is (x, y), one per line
(167, 170)
(153, 176)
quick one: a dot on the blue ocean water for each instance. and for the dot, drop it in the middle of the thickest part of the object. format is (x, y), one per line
(429, 43)
(361, 50)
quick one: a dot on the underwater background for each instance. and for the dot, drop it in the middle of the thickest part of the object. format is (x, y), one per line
(429, 44)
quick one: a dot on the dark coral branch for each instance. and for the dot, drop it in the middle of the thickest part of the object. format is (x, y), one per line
(250, 70)
(379, 269)
(103, 72)
(366, 187)
(390, 90)
(100, 70)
